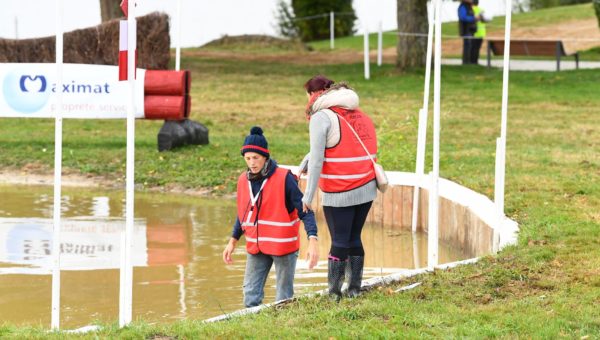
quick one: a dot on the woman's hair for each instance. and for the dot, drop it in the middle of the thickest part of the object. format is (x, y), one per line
(318, 83)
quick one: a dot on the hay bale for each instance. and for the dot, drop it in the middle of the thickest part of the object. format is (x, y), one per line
(96, 45)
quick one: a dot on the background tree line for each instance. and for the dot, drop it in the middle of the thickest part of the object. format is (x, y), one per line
(411, 14)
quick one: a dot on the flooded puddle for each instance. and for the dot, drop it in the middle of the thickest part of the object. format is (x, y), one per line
(178, 270)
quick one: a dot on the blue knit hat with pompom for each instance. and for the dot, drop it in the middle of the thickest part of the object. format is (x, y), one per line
(256, 142)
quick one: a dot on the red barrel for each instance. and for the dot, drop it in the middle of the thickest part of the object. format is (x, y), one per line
(165, 107)
(167, 83)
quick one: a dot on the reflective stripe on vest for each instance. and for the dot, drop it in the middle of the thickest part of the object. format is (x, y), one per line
(271, 239)
(274, 231)
(349, 159)
(346, 166)
(346, 176)
(277, 224)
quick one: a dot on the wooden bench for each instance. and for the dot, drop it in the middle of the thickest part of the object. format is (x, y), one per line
(531, 48)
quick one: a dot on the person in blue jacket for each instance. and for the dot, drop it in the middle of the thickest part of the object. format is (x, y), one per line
(269, 239)
(467, 26)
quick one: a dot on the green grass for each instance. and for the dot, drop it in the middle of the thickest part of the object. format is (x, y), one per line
(546, 286)
(549, 16)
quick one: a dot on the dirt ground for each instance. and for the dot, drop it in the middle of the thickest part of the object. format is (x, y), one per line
(34, 176)
(25, 177)
(576, 36)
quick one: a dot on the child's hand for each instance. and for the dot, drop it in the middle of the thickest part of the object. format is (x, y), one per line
(312, 255)
(228, 251)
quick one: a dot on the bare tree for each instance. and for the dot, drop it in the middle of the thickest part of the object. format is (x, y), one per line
(412, 18)
(110, 9)
(597, 8)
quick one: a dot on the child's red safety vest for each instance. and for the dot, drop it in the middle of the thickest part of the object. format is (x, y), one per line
(275, 232)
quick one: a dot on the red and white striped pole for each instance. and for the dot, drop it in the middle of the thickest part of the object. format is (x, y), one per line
(124, 42)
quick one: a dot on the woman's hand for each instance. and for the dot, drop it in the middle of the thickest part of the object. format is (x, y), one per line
(229, 250)
(312, 255)
(306, 207)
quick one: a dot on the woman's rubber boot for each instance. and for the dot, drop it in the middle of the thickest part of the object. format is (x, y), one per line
(354, 274)
(335, 277)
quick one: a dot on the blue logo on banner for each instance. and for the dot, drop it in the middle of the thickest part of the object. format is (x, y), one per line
(25, 92)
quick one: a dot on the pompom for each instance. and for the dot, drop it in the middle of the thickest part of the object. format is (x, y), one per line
(256, 130)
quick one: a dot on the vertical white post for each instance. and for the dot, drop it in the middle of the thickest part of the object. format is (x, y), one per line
(55, 319)
(433, 190)
(499, 178)
(331, 30)
(421, 136)
(433, 217)
(380, 45)
(127, 288)
(16, 28)
(122, 279)
(366, 48)
(178, 46)
(501, 143)
(423, 113)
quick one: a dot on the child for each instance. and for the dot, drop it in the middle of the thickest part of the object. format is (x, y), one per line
(269, 210)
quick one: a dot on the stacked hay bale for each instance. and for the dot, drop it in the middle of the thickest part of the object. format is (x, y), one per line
(96, 45)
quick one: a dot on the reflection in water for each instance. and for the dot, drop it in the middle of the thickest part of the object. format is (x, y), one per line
(178, 271)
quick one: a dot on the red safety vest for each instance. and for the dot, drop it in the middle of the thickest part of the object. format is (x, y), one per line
(347, 166)
(276, 231)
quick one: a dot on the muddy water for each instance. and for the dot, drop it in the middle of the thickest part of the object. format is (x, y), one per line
(178, 271)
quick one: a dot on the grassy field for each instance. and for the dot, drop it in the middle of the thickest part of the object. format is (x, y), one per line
(547, 286)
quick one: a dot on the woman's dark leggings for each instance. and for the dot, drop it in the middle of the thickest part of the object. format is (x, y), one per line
(345, 225)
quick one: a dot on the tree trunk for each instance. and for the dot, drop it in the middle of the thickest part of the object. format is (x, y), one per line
(110, 9)
(412, 18)
(597, 7)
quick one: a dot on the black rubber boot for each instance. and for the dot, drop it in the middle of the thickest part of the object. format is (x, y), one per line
(354, 273)
(335, 277)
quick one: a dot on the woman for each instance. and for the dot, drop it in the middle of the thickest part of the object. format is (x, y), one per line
(339, 165)
(269, 210)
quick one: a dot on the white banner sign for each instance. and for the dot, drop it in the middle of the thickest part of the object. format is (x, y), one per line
(89, 91)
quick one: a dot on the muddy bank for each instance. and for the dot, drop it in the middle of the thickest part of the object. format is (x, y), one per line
(76, 180)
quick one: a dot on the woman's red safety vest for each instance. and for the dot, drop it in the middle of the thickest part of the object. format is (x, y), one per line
(275, 232)
(347, 166)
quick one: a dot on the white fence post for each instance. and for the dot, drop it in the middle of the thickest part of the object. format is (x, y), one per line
(433, 222)
(366, 48)
(422, 129)
(433, 191)
(331, 29)
(55, 319)
(178, 47)
(501, 142)
(125, 308)
(499, 178)
(380, 45)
